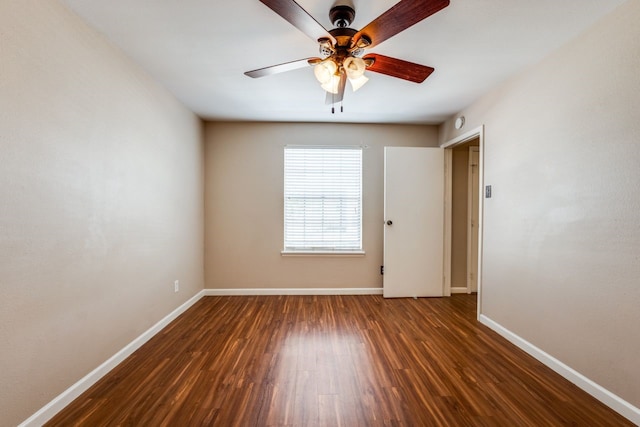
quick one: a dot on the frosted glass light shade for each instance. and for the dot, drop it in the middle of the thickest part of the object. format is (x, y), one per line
(332, 85)
(324, 71)
(354, 67)
(358, 83)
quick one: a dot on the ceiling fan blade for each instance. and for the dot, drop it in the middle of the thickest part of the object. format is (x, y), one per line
(293, 13)
(335, 98)
(281, 68)
(398, 68)
(400, 17)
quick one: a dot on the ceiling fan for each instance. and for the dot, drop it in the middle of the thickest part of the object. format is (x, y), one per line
(342, 49)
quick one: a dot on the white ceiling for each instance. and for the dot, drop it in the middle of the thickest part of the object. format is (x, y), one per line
(199, 50)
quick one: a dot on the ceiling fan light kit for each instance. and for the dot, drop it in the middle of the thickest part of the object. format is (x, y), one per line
(328, 73)
(341, 49)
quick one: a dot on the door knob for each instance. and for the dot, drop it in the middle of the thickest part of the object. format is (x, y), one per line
(389, 222)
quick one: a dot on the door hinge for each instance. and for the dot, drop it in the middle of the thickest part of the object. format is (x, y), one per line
(382, 269)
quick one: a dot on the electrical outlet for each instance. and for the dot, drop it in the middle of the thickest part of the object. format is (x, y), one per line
(176, 286)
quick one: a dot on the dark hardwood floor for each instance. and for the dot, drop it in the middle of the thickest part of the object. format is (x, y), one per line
(333, 361)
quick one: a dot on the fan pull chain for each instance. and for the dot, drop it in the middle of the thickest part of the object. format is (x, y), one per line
(333, 108)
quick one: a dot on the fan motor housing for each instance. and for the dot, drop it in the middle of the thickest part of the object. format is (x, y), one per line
(342, 16)
(343, 36)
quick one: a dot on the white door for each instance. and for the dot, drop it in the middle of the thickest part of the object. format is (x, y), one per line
(414, 222)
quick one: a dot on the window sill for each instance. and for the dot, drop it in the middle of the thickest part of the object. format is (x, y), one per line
(324, 253)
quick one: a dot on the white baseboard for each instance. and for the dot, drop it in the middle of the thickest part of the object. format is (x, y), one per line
(62, 400)
(458, 290)
(616, 403)
(293, 291)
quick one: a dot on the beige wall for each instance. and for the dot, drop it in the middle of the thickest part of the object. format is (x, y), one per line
(101, 203)
(561, 264)
(244, 204)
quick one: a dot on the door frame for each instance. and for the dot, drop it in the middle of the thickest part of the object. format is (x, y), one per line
(448, 196)
(471, 191)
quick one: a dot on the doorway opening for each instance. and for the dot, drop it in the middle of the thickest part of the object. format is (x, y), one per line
(463, 214)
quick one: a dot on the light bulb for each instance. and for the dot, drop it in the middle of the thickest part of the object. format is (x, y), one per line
(325, 70)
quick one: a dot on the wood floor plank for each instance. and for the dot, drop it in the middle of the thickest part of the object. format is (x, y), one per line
(332, 361)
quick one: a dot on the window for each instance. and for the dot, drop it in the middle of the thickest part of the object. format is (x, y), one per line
(322, 199)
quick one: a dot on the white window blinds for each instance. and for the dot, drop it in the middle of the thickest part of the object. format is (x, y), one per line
(322, 198)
